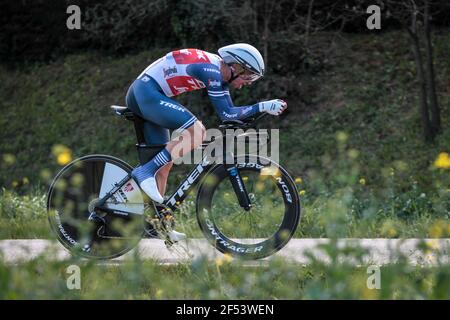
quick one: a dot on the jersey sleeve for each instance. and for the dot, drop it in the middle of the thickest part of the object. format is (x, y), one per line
(219, 93)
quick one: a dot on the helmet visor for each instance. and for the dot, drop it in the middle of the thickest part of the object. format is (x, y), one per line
(245, 74)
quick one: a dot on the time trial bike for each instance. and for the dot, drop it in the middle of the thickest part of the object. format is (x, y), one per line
(248, 207)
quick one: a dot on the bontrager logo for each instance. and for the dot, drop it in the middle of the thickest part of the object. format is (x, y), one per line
(285, 189)
(63, 231)
(171, 105)
(228, 245)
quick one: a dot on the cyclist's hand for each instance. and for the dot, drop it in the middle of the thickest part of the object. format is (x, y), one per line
(275, 107)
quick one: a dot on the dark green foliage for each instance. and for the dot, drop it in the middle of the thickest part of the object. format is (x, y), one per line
(35, 30)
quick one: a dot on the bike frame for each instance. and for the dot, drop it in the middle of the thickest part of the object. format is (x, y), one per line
(185, 187)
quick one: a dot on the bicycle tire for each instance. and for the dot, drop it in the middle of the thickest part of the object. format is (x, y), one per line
(68, 204)
(218, 175)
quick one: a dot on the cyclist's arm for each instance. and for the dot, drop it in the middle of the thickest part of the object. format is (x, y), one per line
(219, 94)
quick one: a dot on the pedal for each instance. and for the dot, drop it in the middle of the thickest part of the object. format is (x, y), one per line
(161, 226)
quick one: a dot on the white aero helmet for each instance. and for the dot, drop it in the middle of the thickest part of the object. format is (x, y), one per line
(245, 55)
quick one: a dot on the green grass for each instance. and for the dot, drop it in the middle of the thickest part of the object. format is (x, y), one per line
(44, 278)
(23, 216)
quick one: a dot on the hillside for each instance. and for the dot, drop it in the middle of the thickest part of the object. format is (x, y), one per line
(364, 97)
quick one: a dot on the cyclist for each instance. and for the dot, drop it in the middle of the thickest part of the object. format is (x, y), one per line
(150, 96)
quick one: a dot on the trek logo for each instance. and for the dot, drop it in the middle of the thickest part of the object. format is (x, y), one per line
(169, 71)
(214, 83)
(211, 70)
(171, 105)
(188, 182)
(234, 173)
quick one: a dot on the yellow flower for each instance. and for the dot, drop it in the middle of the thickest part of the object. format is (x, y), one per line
(271, 171)
(341, 136)
(25, 180)
(392, 232)
(369, 294)
(362, 181)
(442, 161)
(45, 174)
(244, 178)
(219, 261)
(436, 230)
(159, 293)
(227, 257)
(298, 180)
(353, 154)
(9, 159)
(64, 158)
(431, 245)
(14, 184)
(302, 192)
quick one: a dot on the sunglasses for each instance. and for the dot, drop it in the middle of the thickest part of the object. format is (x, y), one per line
(245, 74)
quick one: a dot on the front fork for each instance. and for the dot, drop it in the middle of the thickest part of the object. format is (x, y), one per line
(238, 186)
(235, 176)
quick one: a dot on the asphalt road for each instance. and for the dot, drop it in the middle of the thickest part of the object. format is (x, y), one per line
(378, 251)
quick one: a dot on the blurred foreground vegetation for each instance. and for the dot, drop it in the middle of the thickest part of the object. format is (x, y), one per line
(223, 278)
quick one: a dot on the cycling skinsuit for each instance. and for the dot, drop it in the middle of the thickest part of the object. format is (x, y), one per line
(177, 72)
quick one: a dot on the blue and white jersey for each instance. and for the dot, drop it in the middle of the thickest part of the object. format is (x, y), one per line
(192, 69)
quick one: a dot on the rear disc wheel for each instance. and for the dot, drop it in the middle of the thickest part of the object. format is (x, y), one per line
(72, 198)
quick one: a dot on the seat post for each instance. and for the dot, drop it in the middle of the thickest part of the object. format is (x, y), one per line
(139, 128)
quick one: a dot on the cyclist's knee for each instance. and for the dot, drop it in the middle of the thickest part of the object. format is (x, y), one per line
(202, 129)
(199, 132)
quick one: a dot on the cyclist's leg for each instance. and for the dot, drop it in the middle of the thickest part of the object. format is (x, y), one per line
(153, 135)
(163, 112)
(189, 139)
(156, 135)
